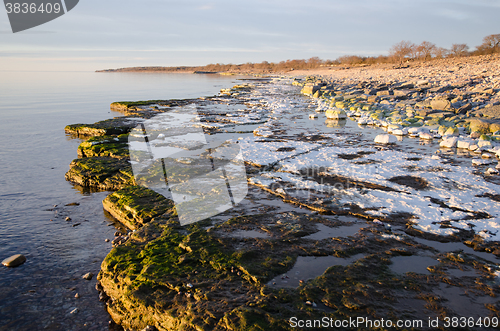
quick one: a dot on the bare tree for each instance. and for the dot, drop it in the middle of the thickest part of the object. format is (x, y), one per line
(459, 50)
(314, 62)
(425, 50)
(440, 52)
(402, 50)
(491, 44)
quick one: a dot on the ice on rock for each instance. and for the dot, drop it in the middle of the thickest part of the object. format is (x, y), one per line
(463, 143)
(481, 162)
(449, 142)
(400, 132)
(385, 139)
(426, 136)
(491, 171)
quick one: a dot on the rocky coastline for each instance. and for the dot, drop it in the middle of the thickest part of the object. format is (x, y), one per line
(246, 269)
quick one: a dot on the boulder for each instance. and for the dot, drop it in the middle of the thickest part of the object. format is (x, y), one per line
(440, 104)
(14, 260)
(462, 143)
(385, 139)
(475, 134)
(400, 132)
(426, 136)
(480, 126)
(452, 132)
(449, 142)
(383, 93)
(442, 129)
(491, 112)
(336, 114)
(310, 89)
(464, 109)
(494, 127)
(483, 143)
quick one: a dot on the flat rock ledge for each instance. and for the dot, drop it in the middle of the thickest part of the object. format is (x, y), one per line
(204, 277)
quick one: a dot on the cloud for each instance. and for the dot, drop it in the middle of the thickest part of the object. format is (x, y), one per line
(454, 14)
(206, 7)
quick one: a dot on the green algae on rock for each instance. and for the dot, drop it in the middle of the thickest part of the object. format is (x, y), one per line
(105, 146)
(135, 206)
(114, 126)
(183, 279)
(103, 173)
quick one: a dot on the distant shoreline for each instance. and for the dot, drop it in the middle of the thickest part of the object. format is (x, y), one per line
(335, 69)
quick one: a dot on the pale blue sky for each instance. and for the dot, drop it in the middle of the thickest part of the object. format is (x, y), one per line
(100, 34)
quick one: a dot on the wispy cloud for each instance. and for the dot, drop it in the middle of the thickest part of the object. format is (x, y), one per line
(454, 14)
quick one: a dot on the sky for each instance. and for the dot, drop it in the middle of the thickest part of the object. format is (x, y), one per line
(102, 34)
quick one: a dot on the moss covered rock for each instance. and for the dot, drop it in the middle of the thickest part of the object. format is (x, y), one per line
(114, 126)
(135, 206)
(102, 173)
(480, 126)
(105, 146)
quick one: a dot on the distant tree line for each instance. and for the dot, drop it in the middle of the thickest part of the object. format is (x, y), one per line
(406, 50)
(401, 52)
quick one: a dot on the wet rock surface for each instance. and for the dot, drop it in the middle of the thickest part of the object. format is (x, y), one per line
(14, 260)
(265, 261)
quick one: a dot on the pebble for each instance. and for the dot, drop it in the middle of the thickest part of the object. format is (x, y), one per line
(106, 240)
(88, 276)
(77, 295)
(68, 219)
(76, 224)
(14, 260)
(311, 303)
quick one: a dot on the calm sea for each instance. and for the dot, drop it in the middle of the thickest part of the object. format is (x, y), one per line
(34, 156)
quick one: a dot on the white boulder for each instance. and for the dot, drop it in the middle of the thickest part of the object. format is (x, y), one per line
(336, 114)
(449, 142)
(385, 139)
(426, 135)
